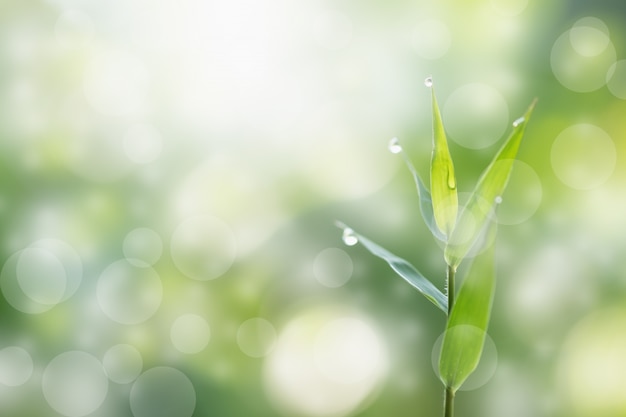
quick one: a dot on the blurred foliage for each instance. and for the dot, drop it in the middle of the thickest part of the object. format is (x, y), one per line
(258, 124)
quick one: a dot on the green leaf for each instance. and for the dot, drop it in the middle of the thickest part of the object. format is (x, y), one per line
(467, 325)
(484, 198)
(442, 179)
(426, 204)
(401, 267)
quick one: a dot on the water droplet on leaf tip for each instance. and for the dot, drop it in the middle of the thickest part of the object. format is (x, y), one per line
(349, 238)
(518, 121)
(498, 200)
(394, 146)
(428, 82)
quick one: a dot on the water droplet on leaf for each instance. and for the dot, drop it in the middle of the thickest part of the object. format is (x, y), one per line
(428, 82)
(498, 200)
(451, 179)
(518, 121)
(394, 146)
(349, 238)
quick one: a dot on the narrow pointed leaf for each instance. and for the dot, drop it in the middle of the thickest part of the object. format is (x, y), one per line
(442, 179)
(405, 270)
(489, 188)
(467, 325)
(426, 204)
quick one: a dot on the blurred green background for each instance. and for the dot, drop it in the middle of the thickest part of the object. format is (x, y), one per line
(171, 171)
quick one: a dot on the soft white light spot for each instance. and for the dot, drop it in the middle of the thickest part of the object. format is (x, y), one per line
(300, 375)
(589, 36)
(143, 143)
(115, 83)
(143, 246)
(583, 156)
(129, 294)
(203, 247)
(476, 116)
(41, 276)
(190, 333)
(432, 39)
(74, 384)
(122, 363)
(578, 71)
(616, 79)
(74, 29)
(333, 267)
(256, 337)
(163, 392)
(16, 366)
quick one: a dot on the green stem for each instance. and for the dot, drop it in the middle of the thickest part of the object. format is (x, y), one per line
(448, 405)
(451, 272)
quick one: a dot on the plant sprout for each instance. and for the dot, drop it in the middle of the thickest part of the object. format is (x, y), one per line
(468, 234)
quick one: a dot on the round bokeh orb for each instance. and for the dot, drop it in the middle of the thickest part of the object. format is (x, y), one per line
(163, 392)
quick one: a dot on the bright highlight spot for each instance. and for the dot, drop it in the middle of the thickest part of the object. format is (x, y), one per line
(190, 333)
(432, 39)
(163, 392)
(122, 363)
(592, 368)
(129, 294)
(143, 247)
(616, 79)
(203, 247)
(583, 156)
(333, 267)
(74, 384)
(16, 366)
(326, 363)
(476, 116)
(256, 337)
(589, 36)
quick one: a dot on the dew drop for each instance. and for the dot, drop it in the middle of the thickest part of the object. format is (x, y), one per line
(451, 179)
(394, 146)
(498, 200)
(518, 121)
(349, 238)
(428, 82)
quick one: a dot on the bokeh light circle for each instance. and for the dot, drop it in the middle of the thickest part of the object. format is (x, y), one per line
(476, 115)
(256, 337)
(509, 7)
(589, 36)
(142, 246)
(522, 196)
(592, 365)
(74, 384)
(333, 267)
(143, 143)
(162, 392)
(616, 79)
(299, 374)
(586, 71)
(583, 156)
(31, 287)
(203, 247)
(485, 370)
(190, 333)
(115, 83)
(74, 29)
(431, 39)
(16, 366)
(41, 276)
(122, 363)
(129, 294)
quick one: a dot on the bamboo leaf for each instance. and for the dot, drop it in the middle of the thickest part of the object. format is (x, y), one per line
(486, 195)
(403, 268)
(467, 325)
(426, 204)
(442, 179)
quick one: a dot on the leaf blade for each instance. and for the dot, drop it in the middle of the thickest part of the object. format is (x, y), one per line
(404, 269)
(442, 178)
(467, 325)
(490, 186)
